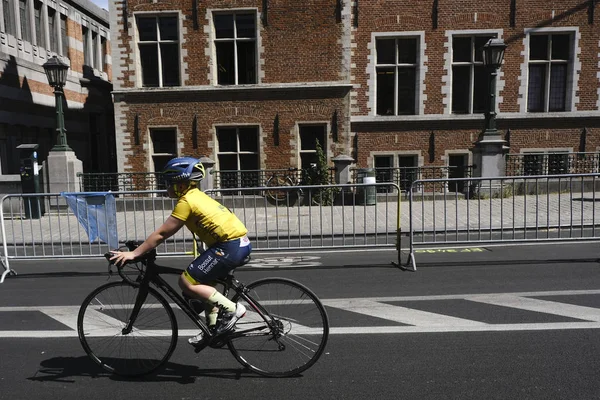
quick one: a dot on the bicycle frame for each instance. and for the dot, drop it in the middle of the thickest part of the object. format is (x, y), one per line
(152, 275)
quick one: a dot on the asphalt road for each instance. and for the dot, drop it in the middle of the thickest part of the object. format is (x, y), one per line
(487, 323)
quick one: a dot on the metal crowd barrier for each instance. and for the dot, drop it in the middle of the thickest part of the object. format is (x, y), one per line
(38, 226)
(504, 211)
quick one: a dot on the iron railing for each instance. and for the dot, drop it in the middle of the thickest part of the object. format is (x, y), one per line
(405, 176)
(552, 163)
(232, 179)
(121, 181)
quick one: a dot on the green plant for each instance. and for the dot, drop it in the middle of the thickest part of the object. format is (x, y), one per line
(319, 175)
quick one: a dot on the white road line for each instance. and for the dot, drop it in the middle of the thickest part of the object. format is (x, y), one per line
(401, 314)
(366, 330)
(543, 306)
(66, 315)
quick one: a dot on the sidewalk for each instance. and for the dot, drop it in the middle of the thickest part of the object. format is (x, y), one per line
(449, 214)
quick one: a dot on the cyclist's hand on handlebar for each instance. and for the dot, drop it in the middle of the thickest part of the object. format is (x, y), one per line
(119, 258)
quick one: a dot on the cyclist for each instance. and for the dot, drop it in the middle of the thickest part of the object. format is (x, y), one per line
(213, 224)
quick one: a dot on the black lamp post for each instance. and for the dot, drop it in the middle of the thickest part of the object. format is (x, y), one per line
(56, 71)
(493, 54)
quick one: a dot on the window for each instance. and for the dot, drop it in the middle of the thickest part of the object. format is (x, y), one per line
(103, 50)
(63, 35)
(309, 136)
(95, 49)
(551, 163)
(158, 44)
(85, 34)
(235, 45)
(39, 27)
(408, 170)
(164, 146)
(469, 76)
(24, 18)
(384, 171)
(9, 18)
(549, 58)
(396, 76)
(52, 30)
(238, 156)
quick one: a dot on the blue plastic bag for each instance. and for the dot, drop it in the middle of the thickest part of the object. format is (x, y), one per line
(97, 214)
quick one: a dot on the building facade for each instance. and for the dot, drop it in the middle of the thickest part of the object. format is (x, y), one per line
(256, 84)
(77, 31)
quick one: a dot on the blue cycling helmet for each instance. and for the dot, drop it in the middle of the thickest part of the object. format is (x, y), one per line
(182, 169)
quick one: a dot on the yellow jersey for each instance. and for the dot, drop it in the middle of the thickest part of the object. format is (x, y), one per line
(208, 219)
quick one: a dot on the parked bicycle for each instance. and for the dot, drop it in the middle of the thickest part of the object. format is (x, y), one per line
(295, 178)
(129, 328)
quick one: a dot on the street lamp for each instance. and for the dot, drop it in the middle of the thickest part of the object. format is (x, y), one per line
(493, 54)
(56, 71)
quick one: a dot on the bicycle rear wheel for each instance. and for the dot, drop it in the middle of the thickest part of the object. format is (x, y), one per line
(104, 314)
(296, 336)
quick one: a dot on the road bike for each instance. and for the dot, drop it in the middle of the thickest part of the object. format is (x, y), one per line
(295, 178)
(129, 328)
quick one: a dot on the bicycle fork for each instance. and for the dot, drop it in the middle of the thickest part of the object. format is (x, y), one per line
(139, 301)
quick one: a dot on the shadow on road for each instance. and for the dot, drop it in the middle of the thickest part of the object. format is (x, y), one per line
(65, 369)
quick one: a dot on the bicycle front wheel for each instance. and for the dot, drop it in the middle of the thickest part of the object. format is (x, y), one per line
(104, 314)
(287, 334)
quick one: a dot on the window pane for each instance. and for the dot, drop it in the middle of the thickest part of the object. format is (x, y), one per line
(149, 61)
(95, 49)
(160, 162)
(386, 51)
(248, 139)
(461, 49)
(52, 30)
(24, 17)
(309, 135)
(246, 62)
(407, 51)
(479, 42)
(168, 28)
(406, 91)
(39, 33)
(245, 25)
(558, 87)
(169, 54)
(63, 35)
(533, 164)
(561, 47)
(535, 93)
(480, 89)
(228, 162)
(223, 25)
(538, 47)
(461, 83)
(558, 164)
(164, 140)
(147, 28)
(9, 23)
(249, 162)
(86, 52)
(307, 160)
(385, 91)
(225, 63)
(227, 140)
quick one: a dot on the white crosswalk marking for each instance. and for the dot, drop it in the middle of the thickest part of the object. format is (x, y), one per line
(416, 320)
(400, 314)
(543, 306)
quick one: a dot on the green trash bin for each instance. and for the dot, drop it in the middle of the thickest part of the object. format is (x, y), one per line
(367, 195)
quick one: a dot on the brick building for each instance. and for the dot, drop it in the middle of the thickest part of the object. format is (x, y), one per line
(32, 31)
(254, 84)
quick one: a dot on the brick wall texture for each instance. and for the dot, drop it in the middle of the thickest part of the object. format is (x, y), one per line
(305, 49)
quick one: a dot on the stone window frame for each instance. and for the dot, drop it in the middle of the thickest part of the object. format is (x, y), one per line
(447, 76)
(325, 146)
(371, 72)
(256, 177)
(545, 151)
(150, 144)
(212, 51)
(136, 52)
(573, 69)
